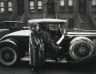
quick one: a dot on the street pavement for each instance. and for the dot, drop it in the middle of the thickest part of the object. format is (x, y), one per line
(51, 68)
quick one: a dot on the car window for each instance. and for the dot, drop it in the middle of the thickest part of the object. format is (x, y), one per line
(16, 25)
(53, 26)
(10, 25)
(4, 25)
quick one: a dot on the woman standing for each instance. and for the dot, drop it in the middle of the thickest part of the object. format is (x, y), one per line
(36, 48)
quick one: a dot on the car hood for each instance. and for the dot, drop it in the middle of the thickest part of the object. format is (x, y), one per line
(82, 33)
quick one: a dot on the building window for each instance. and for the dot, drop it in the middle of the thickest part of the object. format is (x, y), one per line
(10, 7)
(31, 6)
(39, 6)
(94, 2)
(2, 7)
(94, 5)
(62, 6)
(70, 3)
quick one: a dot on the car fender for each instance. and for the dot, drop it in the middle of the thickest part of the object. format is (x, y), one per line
(12, 42)
(8, 41)
(81, 38)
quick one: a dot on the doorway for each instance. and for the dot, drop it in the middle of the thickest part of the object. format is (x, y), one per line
(82, 6)
(70, 23)
(51, 7)
(20, 7)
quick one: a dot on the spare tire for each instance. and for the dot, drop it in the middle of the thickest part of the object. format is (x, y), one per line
(81, 48)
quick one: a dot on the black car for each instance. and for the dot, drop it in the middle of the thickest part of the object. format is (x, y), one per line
(11, 26)
(76, 45)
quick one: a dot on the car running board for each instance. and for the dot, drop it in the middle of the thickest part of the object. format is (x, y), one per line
(26, 58)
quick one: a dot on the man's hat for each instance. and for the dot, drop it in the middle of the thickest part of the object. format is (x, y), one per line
(33, 25)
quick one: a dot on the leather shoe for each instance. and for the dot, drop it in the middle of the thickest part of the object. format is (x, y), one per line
(39, 71)
(33, 71)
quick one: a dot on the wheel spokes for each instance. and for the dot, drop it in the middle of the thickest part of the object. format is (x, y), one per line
(8, 55)
(81, 50)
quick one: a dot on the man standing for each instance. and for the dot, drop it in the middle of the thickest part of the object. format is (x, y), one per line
(49, 42)
(36, 48)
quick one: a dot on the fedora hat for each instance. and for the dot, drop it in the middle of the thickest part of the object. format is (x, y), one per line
(33, 25)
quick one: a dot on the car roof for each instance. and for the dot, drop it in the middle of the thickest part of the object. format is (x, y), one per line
(12, 21)
(46, 20)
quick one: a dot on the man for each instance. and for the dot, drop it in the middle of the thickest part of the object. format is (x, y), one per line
(49, 42)
(36, 49)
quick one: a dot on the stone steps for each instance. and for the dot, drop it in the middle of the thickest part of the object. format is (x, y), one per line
(87, 23)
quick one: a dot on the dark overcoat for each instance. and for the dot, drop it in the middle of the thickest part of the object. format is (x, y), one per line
(36, 48)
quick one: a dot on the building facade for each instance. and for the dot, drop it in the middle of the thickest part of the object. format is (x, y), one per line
(78, 13)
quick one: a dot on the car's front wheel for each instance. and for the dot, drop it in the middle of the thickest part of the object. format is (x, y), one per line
(8, 56)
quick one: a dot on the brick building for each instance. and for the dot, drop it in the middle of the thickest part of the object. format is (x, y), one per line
(79, 13)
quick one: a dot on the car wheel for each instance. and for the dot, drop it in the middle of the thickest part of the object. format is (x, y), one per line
(8, 56)
(81, 49)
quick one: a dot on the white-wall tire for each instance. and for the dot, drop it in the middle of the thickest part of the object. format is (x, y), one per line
(8, 56)
(81, 48)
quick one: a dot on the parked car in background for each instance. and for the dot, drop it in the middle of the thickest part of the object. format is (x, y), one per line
(76, 45)
(10, 26)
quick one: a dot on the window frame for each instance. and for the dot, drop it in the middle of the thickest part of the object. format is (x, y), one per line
(93, 1)
(93, 6)
(71, 3)
(62, 7)
(2, 7)
(41, 6)
(10, 7)
(33, 6)
(71, 7)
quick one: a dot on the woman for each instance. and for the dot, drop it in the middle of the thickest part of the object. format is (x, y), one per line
(36, 48)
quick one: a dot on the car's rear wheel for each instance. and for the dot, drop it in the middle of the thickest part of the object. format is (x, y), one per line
(8, 56)
(81, 49)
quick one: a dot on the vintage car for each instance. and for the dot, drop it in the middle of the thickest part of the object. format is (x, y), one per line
(76, 45)
(11, 26)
